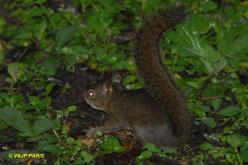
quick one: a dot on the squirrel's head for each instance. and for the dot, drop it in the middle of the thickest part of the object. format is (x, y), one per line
(101, 94)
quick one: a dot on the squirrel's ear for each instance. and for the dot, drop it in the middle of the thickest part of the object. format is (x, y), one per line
(116, 78)
(116, 82)
(113, 84)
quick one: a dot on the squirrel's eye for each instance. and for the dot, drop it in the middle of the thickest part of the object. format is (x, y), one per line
(91, 93)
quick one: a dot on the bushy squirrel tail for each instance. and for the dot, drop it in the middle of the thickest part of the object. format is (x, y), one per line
(155, 74)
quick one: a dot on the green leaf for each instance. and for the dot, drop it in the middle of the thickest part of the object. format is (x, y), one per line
(234, 42)
(51, 148)
(98, 22)
(1, 56)
(71, 108)
(149, 6)
(74, 50)
(206, 146)
(198, 23)
(65, 35)
(144, 155)
(51, 66)
(34, 100)
(216, 103)
(244, 153)
(130, 79)
(198, 110)
(196, 83)
(15, 70)
(41, 28)
(24, 34)
(236, 140)
(40, 1)
(86, 157)
(152, 148)
(73, 54)
(229, 111)
(14, 118)
(111, 144)
(42, 125)
(170, 150)
(209, 121)
(48, 89)
(2, 24)
(38, 103)
(190, 43)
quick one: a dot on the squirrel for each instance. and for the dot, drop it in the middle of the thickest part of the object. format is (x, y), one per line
(158, 113)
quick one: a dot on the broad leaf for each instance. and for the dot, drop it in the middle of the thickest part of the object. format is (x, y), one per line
(209, 121)
(15, 70)
(41, 28)
(206, 146)
(42, 125)
(229, 111)
(51, 148)
(236, 140)
(216, 103)
(72, 55)
(86, 157)
(234, 42)
(14, 118)
(244, 153)
(65, 35)
(1, 56)
(152, 148)
(191, 44)
(144, 155)
(111, 143)
(170, 150)
(50, 66)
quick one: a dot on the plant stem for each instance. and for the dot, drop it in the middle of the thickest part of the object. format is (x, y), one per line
(237, 153)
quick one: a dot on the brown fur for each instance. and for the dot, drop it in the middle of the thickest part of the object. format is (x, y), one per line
(155, 75)
(157, 115)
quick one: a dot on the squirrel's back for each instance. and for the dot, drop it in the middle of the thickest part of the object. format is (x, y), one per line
(157, 115)
(156, 77)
